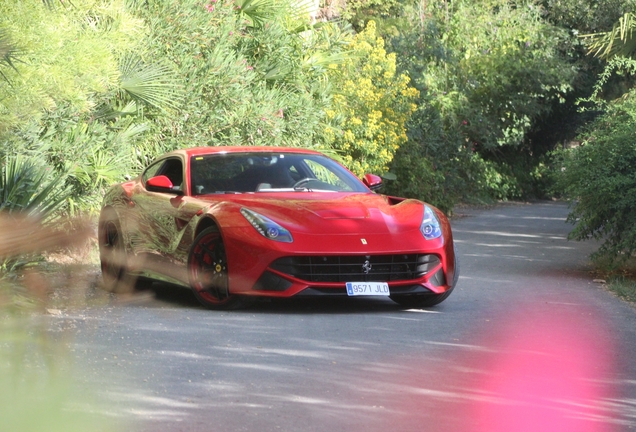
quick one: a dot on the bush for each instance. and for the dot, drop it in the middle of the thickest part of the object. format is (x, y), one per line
(426, 166)
(62, 53)
(199, 73)
(30, 191)
(371, 106)
(598, 177)
(250, 75)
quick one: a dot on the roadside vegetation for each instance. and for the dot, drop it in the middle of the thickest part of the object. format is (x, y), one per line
(454, 101)
(450, 100)
(624, 287)
(458, 100)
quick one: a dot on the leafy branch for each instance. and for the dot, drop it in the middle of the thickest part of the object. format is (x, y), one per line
(619, 41)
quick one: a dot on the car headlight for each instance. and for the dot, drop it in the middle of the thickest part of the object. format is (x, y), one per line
(267, 227)
(430, 226)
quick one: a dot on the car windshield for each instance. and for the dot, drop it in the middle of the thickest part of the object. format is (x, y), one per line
(269, 172)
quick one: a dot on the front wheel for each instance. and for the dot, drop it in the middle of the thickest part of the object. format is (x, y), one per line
(208, 272)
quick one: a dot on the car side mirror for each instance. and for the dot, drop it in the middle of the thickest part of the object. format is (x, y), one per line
(161, 183)
(372, 181)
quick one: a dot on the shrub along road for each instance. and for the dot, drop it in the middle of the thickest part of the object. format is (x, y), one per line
(526, 342)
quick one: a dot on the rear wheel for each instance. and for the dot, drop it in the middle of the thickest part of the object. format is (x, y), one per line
(112, 254)
(208, 272)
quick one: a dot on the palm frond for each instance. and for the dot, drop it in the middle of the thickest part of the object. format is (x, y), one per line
(298, 16)
(8, 54)
(31, 188)
(100, 169)
(258, 12)
(132, 131)
(53, 3)
(322, 60)
(110, 112)
(619, 41)
(153, 84)
(278, 71)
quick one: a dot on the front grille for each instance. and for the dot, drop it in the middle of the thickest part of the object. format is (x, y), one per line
(399, 290)
(360, 268)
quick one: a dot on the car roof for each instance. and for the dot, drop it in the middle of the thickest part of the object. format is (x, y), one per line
(200, 151)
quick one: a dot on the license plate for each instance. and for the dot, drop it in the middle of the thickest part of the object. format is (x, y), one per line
(367, 288)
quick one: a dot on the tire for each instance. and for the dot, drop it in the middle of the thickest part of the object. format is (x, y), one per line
(143, 283)
(428, 300)
(112, 255)
(208, 272)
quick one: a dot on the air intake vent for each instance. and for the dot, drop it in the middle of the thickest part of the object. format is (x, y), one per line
(360, 268)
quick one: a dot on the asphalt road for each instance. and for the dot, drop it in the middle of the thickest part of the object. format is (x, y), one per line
(527, 341)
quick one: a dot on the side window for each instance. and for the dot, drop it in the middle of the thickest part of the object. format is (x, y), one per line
(325, 175)
(151, 171)
(171, 168)
(294, 172)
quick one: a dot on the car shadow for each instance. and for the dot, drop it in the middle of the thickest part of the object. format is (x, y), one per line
(161, 294)
(324, 305)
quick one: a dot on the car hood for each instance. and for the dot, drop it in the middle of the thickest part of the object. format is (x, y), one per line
(335, 213)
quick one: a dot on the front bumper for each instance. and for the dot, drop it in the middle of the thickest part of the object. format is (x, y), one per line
(261, 267)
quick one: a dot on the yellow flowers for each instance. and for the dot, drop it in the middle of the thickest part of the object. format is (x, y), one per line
(373, 105)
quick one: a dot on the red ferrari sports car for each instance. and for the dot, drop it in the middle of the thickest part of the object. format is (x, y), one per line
(234, 223)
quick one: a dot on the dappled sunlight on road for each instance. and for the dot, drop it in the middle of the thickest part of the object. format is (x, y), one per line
(544, 377)
(513, 257)
(498, 245)
(282, 352)
(536, 370)
(518, 347)
(515, 235)
(142, 405)
(259, 367)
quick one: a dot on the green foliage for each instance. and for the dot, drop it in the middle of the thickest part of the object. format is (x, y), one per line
(30, 188)
(103, 152)
(427, 167)
(178, 74)
(624, 288)
(619, 41)
(487, 72)
(578, 17)
(599, 179)
(505, 71)
(598, 176)
(67, 54)
(119, 81)
(615, 80)
(585, 16)
(151, 84)
(360, 12)
(371, 106)
(85, 117)
(9, 54)
(249, 77)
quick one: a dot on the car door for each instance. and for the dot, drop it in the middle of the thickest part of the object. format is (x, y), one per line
(163, 217)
